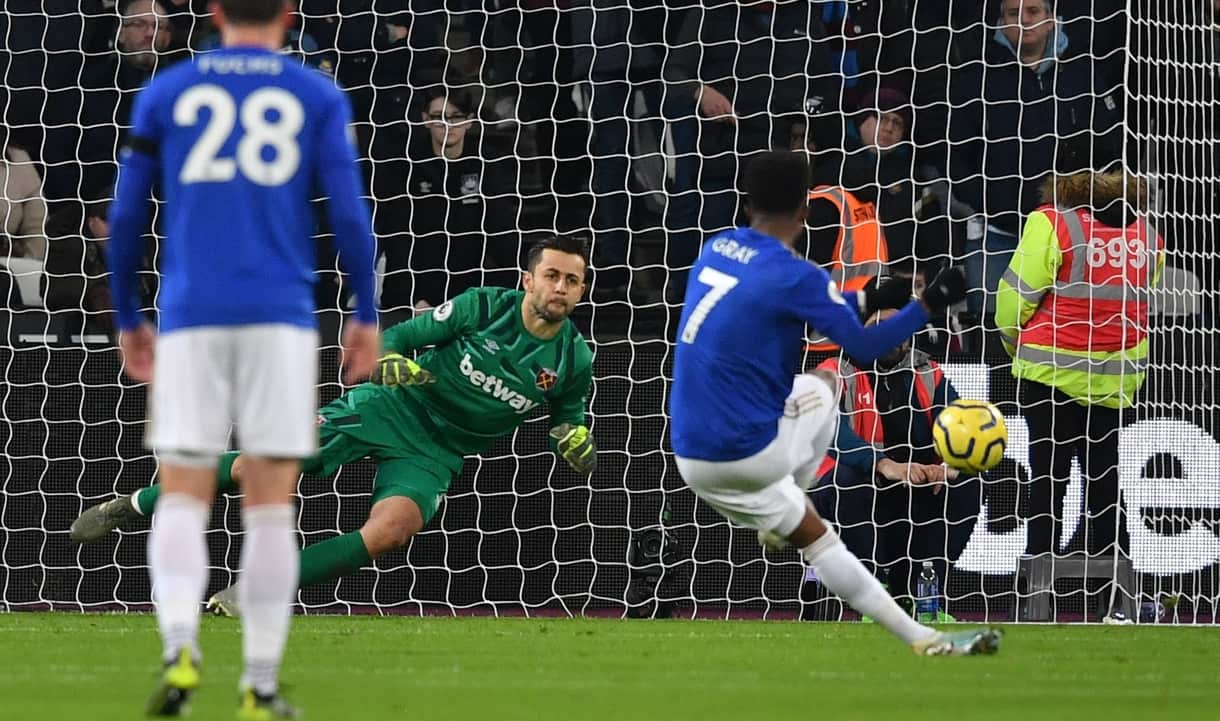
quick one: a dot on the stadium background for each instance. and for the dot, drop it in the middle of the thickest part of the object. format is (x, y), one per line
(518, 529)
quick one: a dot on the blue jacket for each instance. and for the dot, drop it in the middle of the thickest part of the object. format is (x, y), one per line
(1007, 118)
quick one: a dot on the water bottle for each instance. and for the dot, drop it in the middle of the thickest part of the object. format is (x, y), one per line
(927, 594)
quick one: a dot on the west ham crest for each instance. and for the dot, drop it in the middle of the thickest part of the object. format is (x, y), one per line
(546, 379)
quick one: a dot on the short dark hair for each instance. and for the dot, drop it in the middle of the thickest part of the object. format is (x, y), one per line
(571, 244)
(777, 183)
(252, 12)
(457, 97)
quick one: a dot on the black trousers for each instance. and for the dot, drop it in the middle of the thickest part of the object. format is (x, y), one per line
(895, 528)
(1061, 429)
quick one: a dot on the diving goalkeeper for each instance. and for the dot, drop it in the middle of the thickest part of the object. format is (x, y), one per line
(497, 354)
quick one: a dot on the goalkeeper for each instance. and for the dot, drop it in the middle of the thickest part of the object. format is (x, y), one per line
(497, 354)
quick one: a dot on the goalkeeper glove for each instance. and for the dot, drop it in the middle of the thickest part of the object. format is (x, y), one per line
(394, 369)
(946, 289)
(576, 446)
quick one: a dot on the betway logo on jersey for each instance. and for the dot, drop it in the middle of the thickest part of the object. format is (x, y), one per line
(493, 386)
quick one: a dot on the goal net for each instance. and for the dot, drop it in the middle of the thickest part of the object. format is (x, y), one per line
(486, 125)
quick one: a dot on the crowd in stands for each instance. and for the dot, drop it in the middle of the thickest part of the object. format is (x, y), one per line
(484, 122)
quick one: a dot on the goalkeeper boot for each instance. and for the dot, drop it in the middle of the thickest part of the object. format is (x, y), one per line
(224, 603)
(96, 522)
(973, 642)
(178, 680)
(252, 706)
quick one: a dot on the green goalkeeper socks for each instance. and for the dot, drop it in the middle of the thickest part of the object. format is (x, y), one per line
(320, 562)
(333, 558)
(146, 498)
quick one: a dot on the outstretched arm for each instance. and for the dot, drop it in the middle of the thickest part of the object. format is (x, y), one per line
(442, 324)
(835, 315)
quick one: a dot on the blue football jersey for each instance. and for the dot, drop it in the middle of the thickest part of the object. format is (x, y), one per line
(741, 339)
(239, 142)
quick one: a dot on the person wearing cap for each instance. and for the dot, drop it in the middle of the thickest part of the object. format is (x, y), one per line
(1072, 308)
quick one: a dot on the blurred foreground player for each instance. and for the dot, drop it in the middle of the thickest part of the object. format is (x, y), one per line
(238, 141)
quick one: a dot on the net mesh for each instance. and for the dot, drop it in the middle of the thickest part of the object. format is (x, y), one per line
(487, 124)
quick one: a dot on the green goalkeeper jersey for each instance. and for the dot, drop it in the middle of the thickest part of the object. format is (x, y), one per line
(491, 373)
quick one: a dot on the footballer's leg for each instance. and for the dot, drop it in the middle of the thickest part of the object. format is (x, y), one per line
(340, 440)
(269, 570)
(821, 548)
(391, 523)
(406, 495)
(273, 404)
(177, 558)
(96, 522)
(189, 368)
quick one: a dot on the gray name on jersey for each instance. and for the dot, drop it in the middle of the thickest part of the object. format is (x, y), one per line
(733, 250)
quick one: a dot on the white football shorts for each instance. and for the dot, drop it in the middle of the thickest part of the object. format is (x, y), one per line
(766, 491)
(262, 378)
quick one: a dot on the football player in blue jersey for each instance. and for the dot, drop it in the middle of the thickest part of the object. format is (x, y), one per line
(748, 431)
(239, 142)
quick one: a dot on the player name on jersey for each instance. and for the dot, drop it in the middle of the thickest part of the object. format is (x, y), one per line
(240, 64)
(733, 250)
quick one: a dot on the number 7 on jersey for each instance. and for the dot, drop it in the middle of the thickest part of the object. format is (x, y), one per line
(720, 284)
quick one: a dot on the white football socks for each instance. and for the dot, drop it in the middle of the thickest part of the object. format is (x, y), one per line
(847, 578)
(178, 564)
(270, 567)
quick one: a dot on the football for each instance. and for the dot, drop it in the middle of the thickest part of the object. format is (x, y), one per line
(970, 435)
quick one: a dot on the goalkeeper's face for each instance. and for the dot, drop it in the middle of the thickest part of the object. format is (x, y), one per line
(554, 285)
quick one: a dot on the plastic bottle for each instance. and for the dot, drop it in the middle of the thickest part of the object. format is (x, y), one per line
(927, 595)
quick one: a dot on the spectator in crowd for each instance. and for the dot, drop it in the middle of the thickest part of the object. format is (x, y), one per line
(894, 503)
(545, 106)
(415, 58)
(22, 207)
(1073, 309)
(619, 50)
(738, 78)
(87, 123)
(74, 279)
(880, 168)
(447, 207)
(1008, 112)
(870, 40)
(190, 19)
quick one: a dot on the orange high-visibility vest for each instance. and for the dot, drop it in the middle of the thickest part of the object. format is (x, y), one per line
(1099, 301)
(860, 252)
(860, 405)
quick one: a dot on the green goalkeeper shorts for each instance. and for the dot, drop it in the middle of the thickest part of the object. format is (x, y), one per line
(381, 423)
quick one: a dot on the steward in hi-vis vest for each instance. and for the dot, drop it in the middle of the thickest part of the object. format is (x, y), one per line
(1073, 310)
(860, 252)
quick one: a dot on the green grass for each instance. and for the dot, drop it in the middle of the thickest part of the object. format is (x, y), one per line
(100, 667)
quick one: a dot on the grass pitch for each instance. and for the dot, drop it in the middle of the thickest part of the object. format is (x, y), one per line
(100, 668)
